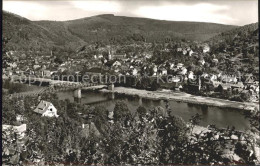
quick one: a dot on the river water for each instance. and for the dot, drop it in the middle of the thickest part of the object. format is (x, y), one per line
(221, 117)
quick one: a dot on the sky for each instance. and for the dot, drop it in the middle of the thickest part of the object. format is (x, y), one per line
(232, 12)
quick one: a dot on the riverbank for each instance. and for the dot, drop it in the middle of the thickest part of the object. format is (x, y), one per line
(183, 97)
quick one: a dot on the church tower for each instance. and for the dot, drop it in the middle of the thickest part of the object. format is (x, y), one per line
(109, 55)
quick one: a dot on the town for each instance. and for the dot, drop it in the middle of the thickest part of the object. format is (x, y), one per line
(182, 66)
(129, 90)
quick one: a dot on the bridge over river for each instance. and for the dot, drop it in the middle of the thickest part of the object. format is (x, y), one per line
(55, 86)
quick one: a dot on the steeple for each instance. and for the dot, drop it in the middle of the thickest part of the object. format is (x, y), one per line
(109, 55)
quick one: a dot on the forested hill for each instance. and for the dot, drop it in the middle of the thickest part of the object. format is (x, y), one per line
(103, 28)
(242, 38)
(239, 32)
(23, 34)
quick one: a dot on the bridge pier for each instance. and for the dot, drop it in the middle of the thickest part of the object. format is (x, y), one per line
(77, 95)
(140, 101)
(112, 96)
(111, 87)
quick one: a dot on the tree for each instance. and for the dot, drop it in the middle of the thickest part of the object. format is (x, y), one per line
(155, 85)
(156, 138)
(58, 60)
(245, 96)
(100, 118)
(141, 111)
(121, 111)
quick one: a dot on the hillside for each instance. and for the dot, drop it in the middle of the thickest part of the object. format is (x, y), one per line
(110, 26)
(26, 34)
(239, 32)
(240, 46)
(238, 39)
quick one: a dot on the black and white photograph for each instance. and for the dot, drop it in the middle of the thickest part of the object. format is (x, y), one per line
(130, 82)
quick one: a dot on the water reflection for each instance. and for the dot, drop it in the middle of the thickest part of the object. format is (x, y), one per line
(220, 117)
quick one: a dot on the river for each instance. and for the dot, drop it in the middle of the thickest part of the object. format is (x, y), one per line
(221, 117)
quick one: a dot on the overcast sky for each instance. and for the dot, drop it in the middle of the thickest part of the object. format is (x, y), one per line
(235, 12)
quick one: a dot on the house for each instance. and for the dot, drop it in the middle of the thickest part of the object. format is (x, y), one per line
(175, 79)
(215, 61)
(190, 52)
(215, 83)
(134, 72)
(182, 71)
(46, 108)
(63, 64)
(29, 72)
(204, 75)
(47, 73)
(62, 68)
(179, 49)
(201, 61)
(4, 77)
(206, 48)
(13, 65)
(36, 67)
(239, 85)
(38, 72)
(52, 72)
(20, 118)
(19, 130)
(110, 116)
(9, 73)
(223, 87)
(194, 87)
(184, 52)
(155, 69)
(113, 63)
(94, 71)
(213, 77)
(163, 71)
(190, 75)
(148, 56)
(171, 65)
(19, 72)
(100, 56)
(119, 56)
(177, 85)
(116, 63)
(229, 79)
(179, 65)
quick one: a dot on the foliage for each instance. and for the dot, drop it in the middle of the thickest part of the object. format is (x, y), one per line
(155, 85)
(152, 136)
(102, 29)
(121, 111)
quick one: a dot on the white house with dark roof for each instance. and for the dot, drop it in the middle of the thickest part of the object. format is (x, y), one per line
(46, 108)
